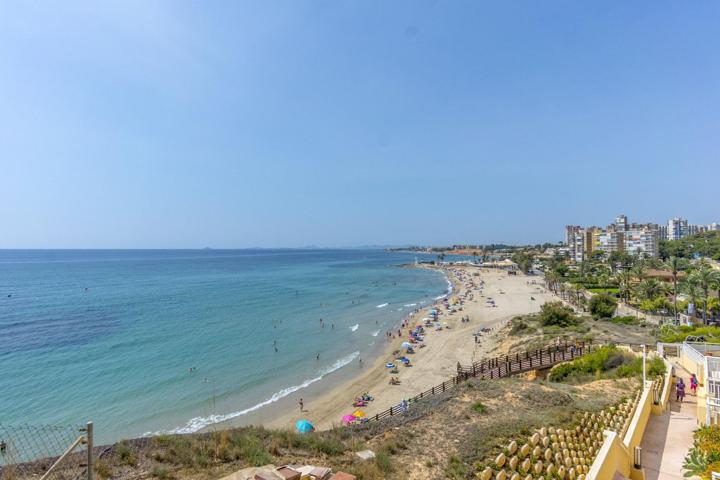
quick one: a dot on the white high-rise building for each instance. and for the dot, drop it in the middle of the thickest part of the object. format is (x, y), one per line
(621, 236)
(677, 228)
(621, 223)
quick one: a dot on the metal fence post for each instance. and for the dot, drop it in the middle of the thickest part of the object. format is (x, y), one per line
(89, 436)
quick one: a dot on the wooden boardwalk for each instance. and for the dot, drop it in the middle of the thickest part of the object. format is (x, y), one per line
(498, 367)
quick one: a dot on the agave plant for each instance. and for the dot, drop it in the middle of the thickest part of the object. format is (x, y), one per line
(695, 463)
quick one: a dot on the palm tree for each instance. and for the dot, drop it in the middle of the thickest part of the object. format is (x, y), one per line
(692, 290)
(705, 277)
(639, 271)
(578, 293)
(624, 278)
(675, 265)
(650, 288)
(551, 278)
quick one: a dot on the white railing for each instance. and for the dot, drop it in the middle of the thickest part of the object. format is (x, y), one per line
(713, 368)
(689, 351)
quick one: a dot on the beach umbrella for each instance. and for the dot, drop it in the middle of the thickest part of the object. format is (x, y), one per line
(406, 345)
(303, 426)
(346, 419)
(358, 414)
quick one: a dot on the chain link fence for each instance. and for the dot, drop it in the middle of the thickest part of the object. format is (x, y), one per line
(45, 452)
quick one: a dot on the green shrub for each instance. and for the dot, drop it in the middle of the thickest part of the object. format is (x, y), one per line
(607, 362)
(556, 314)
(656, 304)
(126, 454)
(678, 334)
(625, 320)
(160, 472)
(704, 457)
(602, 305)
(610, 290)
(518, 326)
(479, 407)
(102, 469)
(382, 460)
(456, 468)
(654, 366)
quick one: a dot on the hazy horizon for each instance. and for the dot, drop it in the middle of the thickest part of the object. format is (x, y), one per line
(134, 125)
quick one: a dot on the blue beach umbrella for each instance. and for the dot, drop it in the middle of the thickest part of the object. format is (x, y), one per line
(303, 426)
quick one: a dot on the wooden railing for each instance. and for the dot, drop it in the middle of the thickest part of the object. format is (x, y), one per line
(498, 367)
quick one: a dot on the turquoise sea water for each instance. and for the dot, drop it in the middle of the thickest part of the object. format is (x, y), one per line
(156, 341)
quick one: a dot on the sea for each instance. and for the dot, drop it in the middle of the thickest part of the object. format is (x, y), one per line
(144, 342)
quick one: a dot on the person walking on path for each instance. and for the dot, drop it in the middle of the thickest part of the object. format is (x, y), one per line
(680, 390)
(693, 384)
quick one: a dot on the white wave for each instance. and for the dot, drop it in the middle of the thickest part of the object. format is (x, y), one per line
(375, 333)
(410, 305)
(195, 424)
(448, 291)
(339, 363)
(382, 305)
(355, 327)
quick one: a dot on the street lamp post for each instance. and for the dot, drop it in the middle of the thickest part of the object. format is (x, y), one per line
(644, 357)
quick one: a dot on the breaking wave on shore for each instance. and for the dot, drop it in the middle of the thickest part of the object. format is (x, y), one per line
(198, 423)
(355, 327)
(382, 305)
(448, 291)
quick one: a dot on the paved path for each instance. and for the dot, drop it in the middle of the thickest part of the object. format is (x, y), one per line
(669, 436)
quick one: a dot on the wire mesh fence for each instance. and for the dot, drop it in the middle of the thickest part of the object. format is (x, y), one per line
(46, 452)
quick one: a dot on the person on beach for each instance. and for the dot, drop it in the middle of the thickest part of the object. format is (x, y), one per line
(680, 390)
(302, 405)
(693, 384)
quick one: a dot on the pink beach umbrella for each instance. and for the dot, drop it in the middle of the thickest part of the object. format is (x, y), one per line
(347, 419)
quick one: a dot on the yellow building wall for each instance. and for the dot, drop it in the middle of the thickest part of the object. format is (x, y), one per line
(616, 454)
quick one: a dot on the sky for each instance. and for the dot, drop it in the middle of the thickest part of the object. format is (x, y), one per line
(233, 124)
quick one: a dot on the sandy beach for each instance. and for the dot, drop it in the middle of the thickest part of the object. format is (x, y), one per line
(437, 361)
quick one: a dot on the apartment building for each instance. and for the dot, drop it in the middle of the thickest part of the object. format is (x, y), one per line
(677, 228)
(621, 236)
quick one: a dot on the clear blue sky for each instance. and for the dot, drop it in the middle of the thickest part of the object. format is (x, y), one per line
(339, 123)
